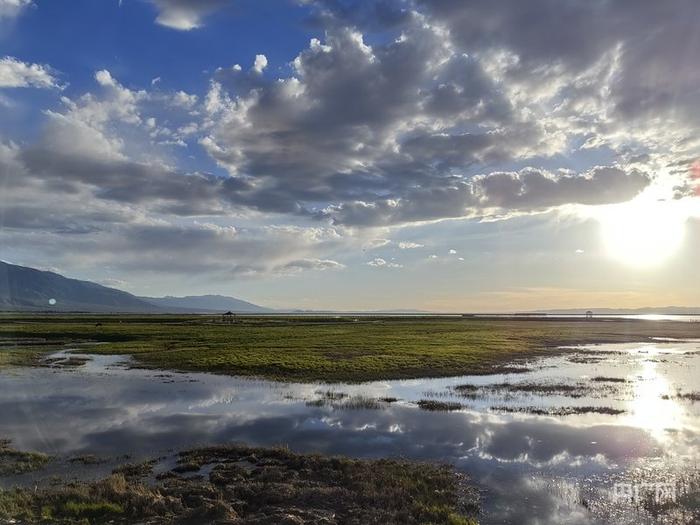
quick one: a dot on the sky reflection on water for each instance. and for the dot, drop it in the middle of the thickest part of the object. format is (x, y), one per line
(534, 469)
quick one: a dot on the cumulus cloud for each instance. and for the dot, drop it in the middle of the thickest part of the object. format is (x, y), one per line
(88, 203)
(525, 191)
(260, 63)
(597, 60)
(373, 244)
(184, 100)
(185, 15)
(17, 74)
(534, 189)
(309, 264)
(378, 262)
(88, 149)
(407, 245)
(12, 8)
(79, 178)
(426, 116)
(301, 140)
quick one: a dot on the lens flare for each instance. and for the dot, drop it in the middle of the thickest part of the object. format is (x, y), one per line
(695, 177)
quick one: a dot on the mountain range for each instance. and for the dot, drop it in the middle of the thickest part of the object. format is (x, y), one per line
(29, 289)
(205, 303)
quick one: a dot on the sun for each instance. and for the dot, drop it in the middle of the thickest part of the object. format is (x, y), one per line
(642, 233)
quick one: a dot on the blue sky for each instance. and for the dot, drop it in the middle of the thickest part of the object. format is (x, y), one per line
(122, 38)
(432, 154)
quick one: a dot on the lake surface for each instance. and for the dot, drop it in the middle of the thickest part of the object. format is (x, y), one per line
(533, 467)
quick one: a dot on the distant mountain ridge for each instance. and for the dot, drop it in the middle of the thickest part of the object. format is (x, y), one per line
(206, 303)
(28, 289)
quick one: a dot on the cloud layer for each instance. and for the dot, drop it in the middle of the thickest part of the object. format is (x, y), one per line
(395, 113)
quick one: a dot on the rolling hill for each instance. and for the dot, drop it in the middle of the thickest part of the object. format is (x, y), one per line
(23, 288)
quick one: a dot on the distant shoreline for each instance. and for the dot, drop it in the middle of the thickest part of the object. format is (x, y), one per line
(539, 316)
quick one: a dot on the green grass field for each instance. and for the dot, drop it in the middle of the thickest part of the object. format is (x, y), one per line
(319, 348)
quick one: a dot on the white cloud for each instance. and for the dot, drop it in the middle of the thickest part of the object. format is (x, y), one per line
(93, 127)
(378, 262)
(12, 8)
(185, 15)
(15, 74)
(184, 100)
(373, 244)
(113, 283)
(120, 103)
(104, 78)
(188, 129)
(115, 120)
(412, 147)
(301, 265)
(407, 245)
(134, 238)
(260, 63)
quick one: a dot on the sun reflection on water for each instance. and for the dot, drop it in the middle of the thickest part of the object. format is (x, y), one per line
(653, 407)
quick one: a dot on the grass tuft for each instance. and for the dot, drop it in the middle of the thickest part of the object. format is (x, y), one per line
(255, 485)
(14, 461)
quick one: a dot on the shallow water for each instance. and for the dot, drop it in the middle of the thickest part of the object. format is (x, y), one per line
(532, 468)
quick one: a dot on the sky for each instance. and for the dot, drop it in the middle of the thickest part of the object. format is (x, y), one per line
(443, 155)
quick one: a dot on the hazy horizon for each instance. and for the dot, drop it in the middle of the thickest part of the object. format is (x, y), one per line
(435, 155)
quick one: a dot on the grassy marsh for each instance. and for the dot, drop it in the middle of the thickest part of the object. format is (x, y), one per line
(439, 406)
(544, 389)
(14, 461)
(559, 411)
(321, 348)
(254, 486)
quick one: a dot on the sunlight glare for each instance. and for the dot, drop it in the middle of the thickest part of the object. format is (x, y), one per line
(644, 233)
(652, 409)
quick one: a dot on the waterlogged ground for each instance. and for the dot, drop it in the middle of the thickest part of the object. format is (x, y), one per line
(599, 434)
